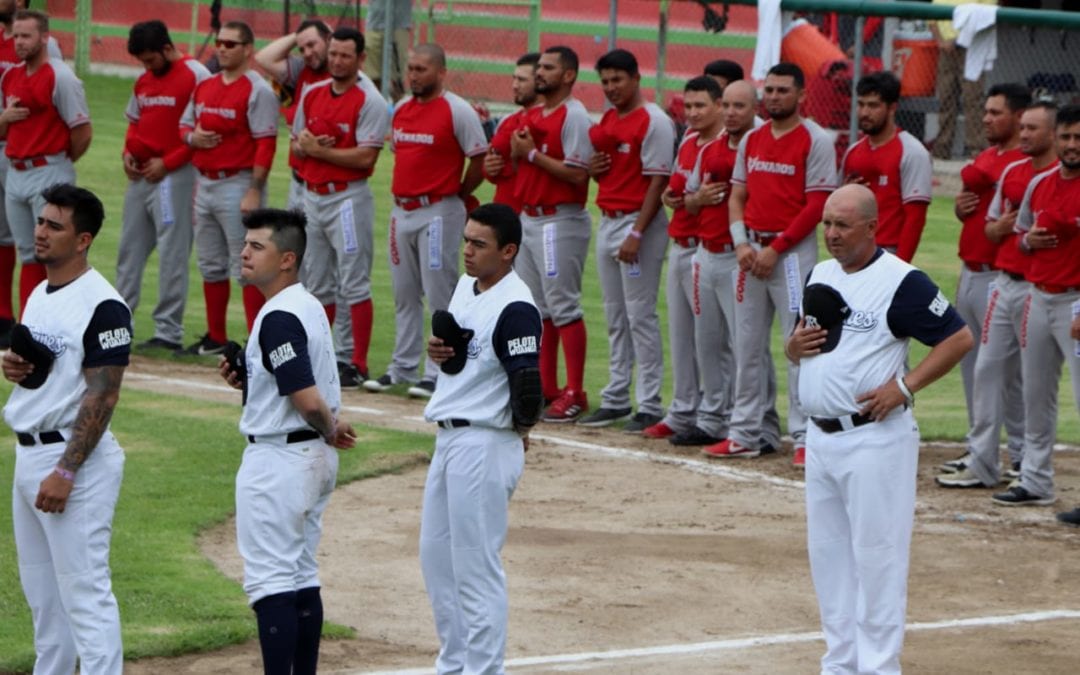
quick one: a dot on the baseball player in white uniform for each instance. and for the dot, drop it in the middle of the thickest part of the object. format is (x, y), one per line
(68, 366)
(859, 312)
(489, 396)
(291, 402)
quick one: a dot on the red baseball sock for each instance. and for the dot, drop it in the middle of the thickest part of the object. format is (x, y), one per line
(363, 316)
(549, 360)
(30, 276)
(331, 312)
(573, 343)
(217, 305)
(253, 302)
(7, 279)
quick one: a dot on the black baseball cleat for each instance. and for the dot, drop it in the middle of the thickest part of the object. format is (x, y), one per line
(694, 436)
(204, 347)
(422, 389)
(350, 375)
(604, 417)
(1019, 496)
(159, 343)
(1071, 518)
(640, 422)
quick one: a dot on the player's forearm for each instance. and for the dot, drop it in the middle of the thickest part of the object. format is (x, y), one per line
(350, 158)
(95, 412)
(803, 224)
(914, 222)
(474, 175)
(736, 202)
(941, 359)
(273, 58)
(311, 406)
(259, 174)
(80, 141)
(651, 205)
(556, 167)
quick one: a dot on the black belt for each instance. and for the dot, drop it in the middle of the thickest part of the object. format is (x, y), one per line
(831, 425)
(1014, 276)
(453, 423)
(46, 438)
(295, 436)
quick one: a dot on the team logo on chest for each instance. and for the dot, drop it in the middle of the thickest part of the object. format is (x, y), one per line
(55, 343)
(473, 350)
(860, 321)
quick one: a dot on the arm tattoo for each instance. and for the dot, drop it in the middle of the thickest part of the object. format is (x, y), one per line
(322, 423)
(95, 411)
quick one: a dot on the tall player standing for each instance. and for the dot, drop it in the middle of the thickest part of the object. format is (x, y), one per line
(231, 123)
(8, 58)
(435, 132)
(161, 179)
(497, 167)
(47, 123)
(338, 132)
(552, 150)
(784, 171)
(634, 152)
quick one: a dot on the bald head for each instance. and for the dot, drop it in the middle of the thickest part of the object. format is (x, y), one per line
(432, 52)
(850, 220)
(856, 198)
(738, 106)
(741, 90)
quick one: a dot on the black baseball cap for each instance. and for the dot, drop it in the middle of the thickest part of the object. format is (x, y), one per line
(823, 306)
(445, 327)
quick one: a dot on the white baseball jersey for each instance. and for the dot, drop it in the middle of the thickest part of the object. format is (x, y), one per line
(85, 324)
(506, 326)
(290, 349)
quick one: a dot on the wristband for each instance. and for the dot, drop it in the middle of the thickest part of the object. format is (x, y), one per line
(634, 233)
(187, 138)
(65, 474)
(531, 157)
(738, 233)
(904, 389)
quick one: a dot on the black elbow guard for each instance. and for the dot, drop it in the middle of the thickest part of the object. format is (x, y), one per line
(526, 397)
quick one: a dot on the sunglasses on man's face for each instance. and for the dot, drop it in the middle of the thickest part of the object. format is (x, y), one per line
(229, 44)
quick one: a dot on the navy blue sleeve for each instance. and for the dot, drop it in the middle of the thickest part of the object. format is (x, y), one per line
(517, 337)
(283, 342)
(920, 310)
(107, 339)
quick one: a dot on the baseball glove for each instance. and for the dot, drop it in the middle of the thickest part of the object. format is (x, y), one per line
(445, 327)
(234, 356)
(24, 344)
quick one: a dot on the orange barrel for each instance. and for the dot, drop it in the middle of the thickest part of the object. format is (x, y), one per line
(806, 47)
(914, 61)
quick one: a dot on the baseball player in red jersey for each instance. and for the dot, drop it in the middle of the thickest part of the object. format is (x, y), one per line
(634, 147)
(338, 132)
(47, 123)
(158, 204)
(892, 163)
(997, 368)
(1048, 224)
(1001, 120)
(783, 173)
(435, 132)
(552, 151)
(497, 165)
(232, 124)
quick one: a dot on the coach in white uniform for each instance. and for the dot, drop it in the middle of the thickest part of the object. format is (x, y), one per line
(485, 404)
(291, 400)
(862, 444)
(68, 465)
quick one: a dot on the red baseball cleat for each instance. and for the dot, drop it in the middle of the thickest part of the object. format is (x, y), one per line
(799, 460)
(658, 430)
(729, 448)
(568, 407)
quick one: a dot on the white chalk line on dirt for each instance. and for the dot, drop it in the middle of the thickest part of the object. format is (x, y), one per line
(601, 658)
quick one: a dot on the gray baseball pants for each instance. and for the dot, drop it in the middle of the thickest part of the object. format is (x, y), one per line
(23, 201)
(337, 264)
(219, 227)
(633, 324)
(158, 215)
(997, 377)
(1048, 344)
(755, 302)
(5, 229)
(425, 250)
(551, 261)
(681, 303)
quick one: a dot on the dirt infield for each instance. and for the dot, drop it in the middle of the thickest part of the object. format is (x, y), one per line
(626, 557)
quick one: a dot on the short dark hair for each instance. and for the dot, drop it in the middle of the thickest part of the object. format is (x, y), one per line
(1068, 116)
(87, 213)
(530, 59)
(706, 84)
(568, 58)
(148, 36)
(433, 51)
(288, 229)
(1017, 96)
(1050, 107)
(618, 59)
(343, 33)
(883, 83)
(320, 27)
(502, 219)
(729, 70)
(41, 18)
(786, 69)
(246, 34)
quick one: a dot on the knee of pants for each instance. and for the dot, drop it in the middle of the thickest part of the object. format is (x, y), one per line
(212, 270)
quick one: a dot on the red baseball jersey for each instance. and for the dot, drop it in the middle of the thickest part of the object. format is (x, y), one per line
(643, 146)
(506, 184)
(8, 57)
(981, 177)
(562, 134)
(898, 171)
(57, 105)
(298, 77)
(356, 118)
(431, 141)
(244, 112)
(1053, 202)
(154, 111)
(778, 172)
(683, 223)
(715, 165)
(1009, 195)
